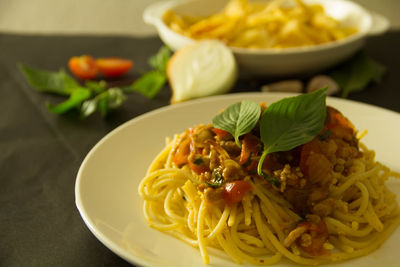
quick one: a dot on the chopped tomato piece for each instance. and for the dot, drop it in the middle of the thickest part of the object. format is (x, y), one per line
(306, 149)
(314, 164)
(271, 163)
(319, 235)
(113, 66)
(252, 165)
(181, 153)
(318, 168)
(339, 124)
(197, 163)
(340, 131)
(336, 117)
(250, 144)
(235, 191)
(83, 67)
(220, 133)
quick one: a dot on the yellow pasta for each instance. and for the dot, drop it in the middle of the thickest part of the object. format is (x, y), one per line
(267, 24)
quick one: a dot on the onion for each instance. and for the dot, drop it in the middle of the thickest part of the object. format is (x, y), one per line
(201, 69)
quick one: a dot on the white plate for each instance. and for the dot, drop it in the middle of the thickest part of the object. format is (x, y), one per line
(107, 181)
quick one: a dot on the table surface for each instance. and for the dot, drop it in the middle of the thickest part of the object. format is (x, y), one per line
(41, 152)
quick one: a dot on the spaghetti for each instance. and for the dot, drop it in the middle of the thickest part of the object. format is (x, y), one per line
(324, 201)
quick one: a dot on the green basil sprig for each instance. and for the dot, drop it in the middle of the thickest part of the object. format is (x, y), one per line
(103, 102)
(93, 95)
(357, 73)
(151, 82)
(238, 119)
(50, 82)
(76, 98)
(291, 122)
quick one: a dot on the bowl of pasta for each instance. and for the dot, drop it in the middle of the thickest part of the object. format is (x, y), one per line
(274, 38)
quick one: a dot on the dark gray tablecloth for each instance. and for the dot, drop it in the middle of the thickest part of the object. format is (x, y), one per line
(40, 153)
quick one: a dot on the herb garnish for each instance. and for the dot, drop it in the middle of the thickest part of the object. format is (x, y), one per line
(198, 161)
(93, 95)
(150, 83)
(291, 122)
(50, 82)
(238, 119)
(216, 180)
(355, 74)
(76, 98)
(271, 179)
(107, 100)
(325, 135)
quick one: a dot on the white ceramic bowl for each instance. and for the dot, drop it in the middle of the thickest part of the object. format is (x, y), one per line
(282, 62)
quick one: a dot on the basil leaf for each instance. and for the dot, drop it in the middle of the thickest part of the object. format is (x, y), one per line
(96, 87)
(357, 73)
(74, 101)
(150, 83)
(115, 97)
(238, 119)
(160, 60)
(88, 107)
(110, 99)
(52, 82)
(291, 122)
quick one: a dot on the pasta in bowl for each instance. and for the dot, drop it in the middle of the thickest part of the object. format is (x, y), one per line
(270, 44)
(293, 181)
(262, 25)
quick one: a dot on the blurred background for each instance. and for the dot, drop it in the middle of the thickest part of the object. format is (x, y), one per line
(114, 17)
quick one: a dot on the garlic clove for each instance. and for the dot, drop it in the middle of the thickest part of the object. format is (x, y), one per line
(292, 86)
(321, 81)
(201, 69)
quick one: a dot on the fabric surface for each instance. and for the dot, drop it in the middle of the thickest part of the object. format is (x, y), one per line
(40, 153)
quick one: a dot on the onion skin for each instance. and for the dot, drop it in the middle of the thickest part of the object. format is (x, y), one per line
(201, 69)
